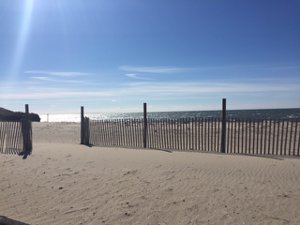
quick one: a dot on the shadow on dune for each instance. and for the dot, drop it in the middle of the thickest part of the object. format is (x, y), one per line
(7, 221)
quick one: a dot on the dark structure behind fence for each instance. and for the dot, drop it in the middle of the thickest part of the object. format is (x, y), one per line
(225, 135)
(16, 137)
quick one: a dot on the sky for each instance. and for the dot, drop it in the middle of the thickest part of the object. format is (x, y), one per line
(176, 55)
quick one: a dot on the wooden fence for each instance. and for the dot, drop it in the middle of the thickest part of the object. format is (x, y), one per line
(16, 137)
(224, 135)
(127, 133)
(254, 137)
(185, 134)
(11, 139)
(263, 137)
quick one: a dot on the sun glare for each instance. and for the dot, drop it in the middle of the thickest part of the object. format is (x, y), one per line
(22, 38)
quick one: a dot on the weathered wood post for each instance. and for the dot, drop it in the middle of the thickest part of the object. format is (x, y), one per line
(28, 130)
(27, 110)
(82, 126)
(27, 134)
(223, 137)
(145, 126)
(87, 131)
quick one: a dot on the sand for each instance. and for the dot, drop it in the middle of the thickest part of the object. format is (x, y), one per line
(63, 182)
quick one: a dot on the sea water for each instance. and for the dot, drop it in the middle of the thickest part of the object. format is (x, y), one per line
(293, 114)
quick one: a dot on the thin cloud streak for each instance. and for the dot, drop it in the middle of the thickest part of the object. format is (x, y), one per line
(41, 78)
(196, 88)
(137, 77)
(154, 69)
(47, 79)
(57, 73)
(172, 69)
(54, 95)
(153, 90)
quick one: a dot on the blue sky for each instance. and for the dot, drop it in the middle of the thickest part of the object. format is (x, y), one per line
(113, 55)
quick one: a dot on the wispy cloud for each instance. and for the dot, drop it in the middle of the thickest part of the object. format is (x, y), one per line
(178, 89)
(43, 95)
(57, 73)
(175, 90)
(61, 81)
(58, 77)
(41, 78)
(137, 77)
(216, 68)
(154, 69)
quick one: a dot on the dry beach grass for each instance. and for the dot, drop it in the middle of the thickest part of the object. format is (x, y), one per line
(63, 182)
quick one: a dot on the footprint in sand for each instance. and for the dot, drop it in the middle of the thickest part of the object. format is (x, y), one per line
(130, 172)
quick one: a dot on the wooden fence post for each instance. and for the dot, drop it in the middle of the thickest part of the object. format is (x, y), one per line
(27, 134)
(26, 110)
(28, 130)
(223, 137)
(82, 126)
(145, 126)
(87, 131)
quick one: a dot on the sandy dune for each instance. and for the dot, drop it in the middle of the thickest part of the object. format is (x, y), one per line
(66, 183)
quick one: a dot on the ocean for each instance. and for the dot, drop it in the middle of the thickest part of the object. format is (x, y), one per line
(292, 114)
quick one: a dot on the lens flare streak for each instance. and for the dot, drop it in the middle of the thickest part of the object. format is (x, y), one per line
(22, 39)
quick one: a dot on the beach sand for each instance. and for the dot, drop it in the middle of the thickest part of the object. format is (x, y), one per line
(64, 182)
